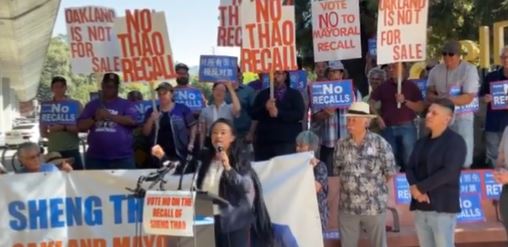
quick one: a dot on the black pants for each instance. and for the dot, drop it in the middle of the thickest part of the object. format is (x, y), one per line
(239, 238)
(326, 155)
(503, 206)
(264, 151)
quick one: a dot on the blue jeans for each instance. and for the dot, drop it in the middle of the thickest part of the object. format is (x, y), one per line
(435, 229)
(402, 138)
(102, 164)
(465, 128)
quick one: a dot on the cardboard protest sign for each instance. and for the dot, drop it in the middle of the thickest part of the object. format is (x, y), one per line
(268, 36)
(499, 92)
(229, 32)
(169, 213)
(218, 68)
(336, 30)
(145, 47)
(332, 94)
(92, 42)
(402, 31)
(191, 97)
(65, 112)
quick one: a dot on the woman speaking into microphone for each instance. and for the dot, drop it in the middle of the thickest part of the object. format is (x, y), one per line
(226, 171)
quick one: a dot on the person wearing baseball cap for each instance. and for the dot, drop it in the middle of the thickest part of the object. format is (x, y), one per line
(365, 165)
(177, 126)
(458, 81)
(109, 122)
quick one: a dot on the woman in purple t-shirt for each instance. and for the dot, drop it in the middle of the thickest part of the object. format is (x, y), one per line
(109, 122)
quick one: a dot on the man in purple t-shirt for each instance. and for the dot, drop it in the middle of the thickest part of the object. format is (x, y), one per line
(397, 124)
(109, 122)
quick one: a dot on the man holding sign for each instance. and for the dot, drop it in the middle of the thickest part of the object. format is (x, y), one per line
(458, 81)
(59, 124)
(397, 124)
(494, 94)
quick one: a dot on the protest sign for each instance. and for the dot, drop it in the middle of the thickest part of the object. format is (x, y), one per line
(336, 30)
(371, 43)
(218, 68)
(492, 188)
(92, 42)
(401, 31)
(471, 208)
(332, 94)
(402, 193)
(474, 106)
(191, 97)
(470, 182)
(268, 36)
(423, 86)
(169, 213)
(65, 112)
(297, 80)
(229, 32)
(499, 92)
(145, 48)
(141, 107)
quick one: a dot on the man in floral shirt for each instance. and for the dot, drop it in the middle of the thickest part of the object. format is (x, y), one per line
(365, 163)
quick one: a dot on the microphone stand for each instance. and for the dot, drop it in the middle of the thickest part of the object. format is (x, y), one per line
(156, 177)
(187, 162)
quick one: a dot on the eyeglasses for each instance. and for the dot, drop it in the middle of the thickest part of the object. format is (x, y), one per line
(450, 54)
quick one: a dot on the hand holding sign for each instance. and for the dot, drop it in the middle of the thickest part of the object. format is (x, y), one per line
(501, 177)
(400, 98)
(487, 98)
(102, 114)
(271, 108)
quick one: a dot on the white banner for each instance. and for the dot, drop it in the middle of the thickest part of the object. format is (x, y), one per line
(145, 47)
(268, 36)
(336, 30)
(94, 207)
(92, 41)
(402, 31)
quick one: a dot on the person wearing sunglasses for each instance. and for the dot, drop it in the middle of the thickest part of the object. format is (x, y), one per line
(458, 81)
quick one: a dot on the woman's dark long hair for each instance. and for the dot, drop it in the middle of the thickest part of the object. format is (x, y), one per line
(240, 160)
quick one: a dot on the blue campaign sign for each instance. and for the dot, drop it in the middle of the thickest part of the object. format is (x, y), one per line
(191, 97)
(422, 85)
(141, 107)
(65, 112)
(492, 188)
(471, 208)
(297, 80)
(402, 193)
(499, 92)
(372, 44)
(470, 183)
(218, 68)
(332, 94)
(474, 106)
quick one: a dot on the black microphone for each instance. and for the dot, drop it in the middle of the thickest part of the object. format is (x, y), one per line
(187, 162)
(219, 148)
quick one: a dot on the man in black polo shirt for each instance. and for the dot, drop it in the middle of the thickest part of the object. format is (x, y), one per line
(433, 173)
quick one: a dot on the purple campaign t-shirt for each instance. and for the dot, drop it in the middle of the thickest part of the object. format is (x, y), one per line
(108, 140)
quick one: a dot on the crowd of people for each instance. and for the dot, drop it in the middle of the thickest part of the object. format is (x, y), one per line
(364, 145)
